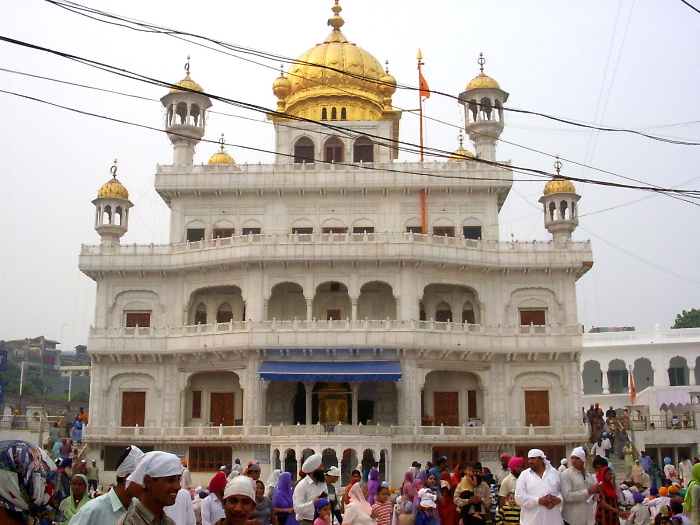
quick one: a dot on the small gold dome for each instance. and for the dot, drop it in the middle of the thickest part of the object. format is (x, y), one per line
(113, 189)
(221, 157)
(559, 185)
(336, 73)
(187, 82)
(483, 81)
(281, 87)
(460, 154)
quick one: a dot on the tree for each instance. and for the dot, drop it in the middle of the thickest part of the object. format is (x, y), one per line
(689, 319)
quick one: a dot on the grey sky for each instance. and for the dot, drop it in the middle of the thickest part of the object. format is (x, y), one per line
(621, 64)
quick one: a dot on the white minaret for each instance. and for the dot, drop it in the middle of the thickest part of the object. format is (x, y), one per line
(185, 117)
(560, 203)
(483, 112)
(112, 210)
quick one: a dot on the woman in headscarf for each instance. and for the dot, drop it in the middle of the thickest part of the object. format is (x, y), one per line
(447, 509)
(283, 502)
(355, 477)
(264, 513)
(358, 511)
(407, 494)
(628, 453)
(373, 485)
(656, 475)
(637, 473)
(608, 512)
(271, 483)
(26, 491)
(692, 495)
(56, 450)
(78, 497)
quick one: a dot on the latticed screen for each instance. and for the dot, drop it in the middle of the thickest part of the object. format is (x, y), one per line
(209, 458)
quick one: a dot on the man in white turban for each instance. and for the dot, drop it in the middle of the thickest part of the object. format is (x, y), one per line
(310, 489)
(578, 490)
(239, 500)
(108, 508)
(538, 492)
(159, 474)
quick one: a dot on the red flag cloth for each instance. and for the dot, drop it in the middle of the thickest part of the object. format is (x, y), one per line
(423, 86)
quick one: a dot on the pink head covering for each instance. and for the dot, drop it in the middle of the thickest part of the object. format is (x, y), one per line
(514, 463)
(358, 504)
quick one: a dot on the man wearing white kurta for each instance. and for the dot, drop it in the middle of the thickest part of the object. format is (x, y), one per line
(578, 490)
(310, 489)
(538, 492)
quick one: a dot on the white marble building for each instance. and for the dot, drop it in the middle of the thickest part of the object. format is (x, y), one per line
(337, 300)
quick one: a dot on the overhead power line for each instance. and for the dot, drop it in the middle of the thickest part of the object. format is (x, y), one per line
(148, 27)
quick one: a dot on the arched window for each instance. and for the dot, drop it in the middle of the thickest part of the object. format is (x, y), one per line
(304, 151)
(343, 114)
(363, 150)
(224, 314)
(324, 114)
(333, 150)
(334, 114)
(200, 316)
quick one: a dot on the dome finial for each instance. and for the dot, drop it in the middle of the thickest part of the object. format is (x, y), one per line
(557, 165)
(221, 142)
(481, 62)
(386, 63)
(187, 66)
(460, 138)
(336, 21)
(113, 169)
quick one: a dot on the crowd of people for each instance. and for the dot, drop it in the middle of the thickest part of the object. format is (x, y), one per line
(155, 488)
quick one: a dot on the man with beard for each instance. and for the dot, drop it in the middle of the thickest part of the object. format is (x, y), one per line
(503, 472)
(538, 492)
(577, 489)
(310, 489)
(515, 466)
(481, 496)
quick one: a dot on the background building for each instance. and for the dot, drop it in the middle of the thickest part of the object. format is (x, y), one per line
(336, 301)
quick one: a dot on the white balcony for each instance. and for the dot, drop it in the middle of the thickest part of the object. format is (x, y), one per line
(336, 433)
(322, 247)
(385, 335)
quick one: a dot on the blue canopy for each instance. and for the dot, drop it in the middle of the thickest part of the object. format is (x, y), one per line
(330, 370)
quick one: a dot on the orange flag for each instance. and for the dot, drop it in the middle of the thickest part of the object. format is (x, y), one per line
(633, 390)
(423, 88)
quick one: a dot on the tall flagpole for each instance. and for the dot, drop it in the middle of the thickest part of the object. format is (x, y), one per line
(421, 83)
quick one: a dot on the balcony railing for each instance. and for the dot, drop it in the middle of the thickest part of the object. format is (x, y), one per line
(390, 432)
(334, 239)
(317, 325)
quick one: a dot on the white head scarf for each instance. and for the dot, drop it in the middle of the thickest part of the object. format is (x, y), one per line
(579, 452)
(129, 464)
(537, 453)
(240, 486)
(156, 464)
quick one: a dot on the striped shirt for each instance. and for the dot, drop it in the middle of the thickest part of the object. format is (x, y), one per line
(383, 511)
(140, 515)
(508, 515)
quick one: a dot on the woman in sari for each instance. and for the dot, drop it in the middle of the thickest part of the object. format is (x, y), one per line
(78, 497)
(282, 500)
(448, 509)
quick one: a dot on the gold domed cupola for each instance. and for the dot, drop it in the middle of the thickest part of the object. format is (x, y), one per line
(112, 210)
(461, 154)
(221, 157)
(560, 206)
(334, 80)
(187, 84)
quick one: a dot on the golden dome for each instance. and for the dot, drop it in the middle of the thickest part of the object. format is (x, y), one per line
(482, 80)
(281, 87)
(336, 74)
(187, 82)
(113, 189)
(460, 154)
(559, 185)
(221, 157)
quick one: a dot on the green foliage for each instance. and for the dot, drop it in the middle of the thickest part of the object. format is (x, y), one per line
(33, 384)
(688, 319)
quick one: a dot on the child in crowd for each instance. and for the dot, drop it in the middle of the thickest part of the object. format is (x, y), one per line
(510, 512)
(382, 506)
(466, 491)
(323, 509)
(639, 514)
(428, 504)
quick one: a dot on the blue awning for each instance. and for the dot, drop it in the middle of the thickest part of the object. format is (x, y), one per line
(330, 370)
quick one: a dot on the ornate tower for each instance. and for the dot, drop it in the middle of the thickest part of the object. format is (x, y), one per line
(483, 112)
(185, 117)
(560, 203)
(112, 210)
